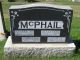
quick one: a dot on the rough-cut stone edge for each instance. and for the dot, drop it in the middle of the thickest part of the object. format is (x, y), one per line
(55, 49)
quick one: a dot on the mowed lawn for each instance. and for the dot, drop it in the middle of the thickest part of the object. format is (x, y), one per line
(75, 30)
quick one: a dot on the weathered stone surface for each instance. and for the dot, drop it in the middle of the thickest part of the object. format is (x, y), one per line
(50, 49)
(2, 33)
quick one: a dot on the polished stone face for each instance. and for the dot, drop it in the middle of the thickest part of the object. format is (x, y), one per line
(40, 23)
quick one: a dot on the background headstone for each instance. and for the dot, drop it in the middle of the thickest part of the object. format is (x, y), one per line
(2, 24)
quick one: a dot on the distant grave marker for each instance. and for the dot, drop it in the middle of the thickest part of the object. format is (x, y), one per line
(2, 24)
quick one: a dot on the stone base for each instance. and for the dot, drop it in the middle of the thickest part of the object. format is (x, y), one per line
(48, 49)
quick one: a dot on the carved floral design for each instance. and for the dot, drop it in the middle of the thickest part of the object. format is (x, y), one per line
(68, 16)
(14, 14)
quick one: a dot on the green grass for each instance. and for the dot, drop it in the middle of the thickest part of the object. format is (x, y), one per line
(2, 48)
(75, 28)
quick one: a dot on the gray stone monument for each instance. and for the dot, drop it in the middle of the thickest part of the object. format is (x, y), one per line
(2, 25)
(40, 29)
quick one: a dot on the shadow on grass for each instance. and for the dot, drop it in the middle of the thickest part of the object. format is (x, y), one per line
(77, 43)
(7, 34)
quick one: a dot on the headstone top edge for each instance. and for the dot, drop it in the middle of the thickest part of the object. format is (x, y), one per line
(40, 4)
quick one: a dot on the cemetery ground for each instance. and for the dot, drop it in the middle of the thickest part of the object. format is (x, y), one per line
(75, 31)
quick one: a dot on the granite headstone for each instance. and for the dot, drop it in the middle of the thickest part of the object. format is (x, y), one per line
(40, 23)
(40, 29)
